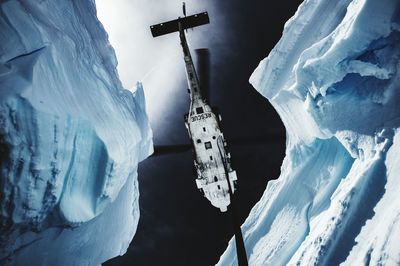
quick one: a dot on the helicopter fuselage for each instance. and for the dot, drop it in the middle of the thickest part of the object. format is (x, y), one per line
(215, 177)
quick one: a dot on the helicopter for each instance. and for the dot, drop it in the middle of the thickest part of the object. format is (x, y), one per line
(215, 177)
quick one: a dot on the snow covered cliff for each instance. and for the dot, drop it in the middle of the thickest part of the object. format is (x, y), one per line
(334, 80)
(70, 138)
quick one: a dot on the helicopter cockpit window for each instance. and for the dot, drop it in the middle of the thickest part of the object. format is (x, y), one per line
(199, 110)
(207, 145)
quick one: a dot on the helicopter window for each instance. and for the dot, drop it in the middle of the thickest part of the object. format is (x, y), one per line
(214, 137)
(208, 145)
(198, 141)
(215, 179)
(219, 187)
(211, 158)
(204, 129)
(199, 110)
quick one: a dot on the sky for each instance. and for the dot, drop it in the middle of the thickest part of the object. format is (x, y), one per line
(177, 225)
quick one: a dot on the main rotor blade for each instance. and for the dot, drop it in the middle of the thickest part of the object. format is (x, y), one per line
(170, 149)
(203, 70)
(241, 141)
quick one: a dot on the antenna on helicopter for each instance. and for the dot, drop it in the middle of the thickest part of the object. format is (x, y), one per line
(184, 8)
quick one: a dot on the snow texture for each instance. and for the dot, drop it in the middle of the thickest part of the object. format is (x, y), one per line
(70, 138)
(334, 80)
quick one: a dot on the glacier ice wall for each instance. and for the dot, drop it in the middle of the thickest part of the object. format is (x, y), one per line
(334, 80)
(70, 138)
